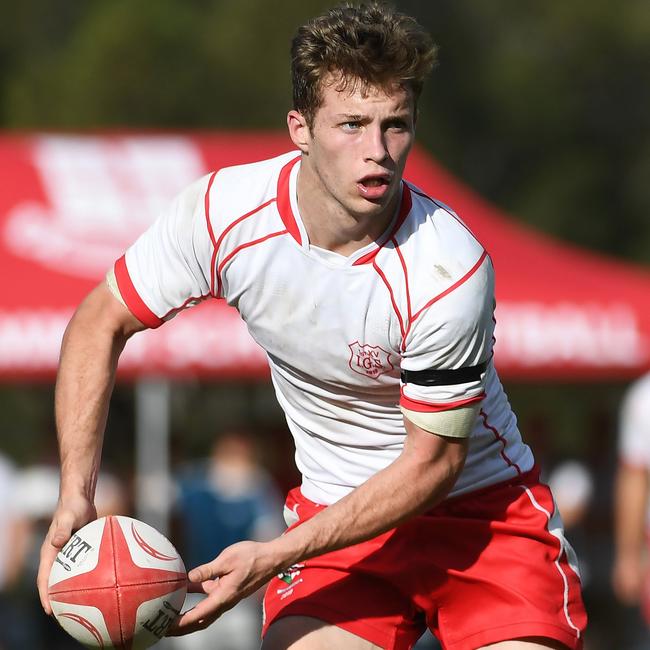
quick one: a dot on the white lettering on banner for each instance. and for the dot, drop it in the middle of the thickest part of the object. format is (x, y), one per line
(31, 340)
(101, 194)
(528, 335)
(215, 342)
(218, 340)
(534, 334)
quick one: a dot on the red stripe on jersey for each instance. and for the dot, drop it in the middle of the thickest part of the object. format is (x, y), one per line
(132, 298)
(210, 231)
(405, 208)
(247, 245)
(408, 293)
(224, 233)
(456, 284)
(428, 407)
(284, 201)
(500, 439)
(392, 298)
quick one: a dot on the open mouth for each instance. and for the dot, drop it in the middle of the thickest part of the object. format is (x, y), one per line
(375, 181)
(374, 187)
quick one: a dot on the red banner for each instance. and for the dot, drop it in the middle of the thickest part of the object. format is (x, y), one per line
(71, 204)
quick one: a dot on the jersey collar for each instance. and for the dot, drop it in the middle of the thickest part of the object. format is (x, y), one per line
(296, 229)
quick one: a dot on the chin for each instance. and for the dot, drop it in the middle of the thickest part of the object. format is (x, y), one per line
(369, 209)
(377, 205)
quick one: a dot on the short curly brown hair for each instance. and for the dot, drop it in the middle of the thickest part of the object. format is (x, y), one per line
(367, 44)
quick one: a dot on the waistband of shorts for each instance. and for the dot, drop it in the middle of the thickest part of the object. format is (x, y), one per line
(530, 477)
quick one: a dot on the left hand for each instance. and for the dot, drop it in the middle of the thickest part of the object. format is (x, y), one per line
(237, 572)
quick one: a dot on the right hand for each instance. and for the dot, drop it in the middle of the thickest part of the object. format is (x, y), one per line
(70, 515)
(240, 570)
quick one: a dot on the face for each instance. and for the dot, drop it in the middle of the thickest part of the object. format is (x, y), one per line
(357, 146)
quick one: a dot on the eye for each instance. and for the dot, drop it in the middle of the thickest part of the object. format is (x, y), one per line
(351, 126)
(397, 125)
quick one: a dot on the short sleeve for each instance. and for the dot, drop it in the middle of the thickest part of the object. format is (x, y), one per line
(634, 424)
(449, 346)
(168, 268)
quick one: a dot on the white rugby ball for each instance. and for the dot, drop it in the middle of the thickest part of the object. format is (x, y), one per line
(117, 583)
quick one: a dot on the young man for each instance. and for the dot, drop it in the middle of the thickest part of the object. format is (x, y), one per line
(630, 578)
(419, 504)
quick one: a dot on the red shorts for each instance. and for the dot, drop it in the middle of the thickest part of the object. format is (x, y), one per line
(485, 567)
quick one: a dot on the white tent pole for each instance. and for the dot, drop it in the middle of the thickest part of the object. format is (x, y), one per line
(153, 491)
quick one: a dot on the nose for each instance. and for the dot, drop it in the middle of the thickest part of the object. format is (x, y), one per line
(375, 145)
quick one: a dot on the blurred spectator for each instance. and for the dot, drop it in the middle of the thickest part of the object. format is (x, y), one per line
(573, 487)
(12, 527)
(13, 533)
(222, 500)
(630, 578)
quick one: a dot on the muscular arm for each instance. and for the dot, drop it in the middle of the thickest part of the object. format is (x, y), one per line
(418, 479)
(92, 344)
(630, 524)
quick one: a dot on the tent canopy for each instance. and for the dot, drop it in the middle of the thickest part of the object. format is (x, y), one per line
(70, 205)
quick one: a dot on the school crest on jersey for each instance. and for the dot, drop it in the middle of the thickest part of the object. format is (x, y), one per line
(369, 360)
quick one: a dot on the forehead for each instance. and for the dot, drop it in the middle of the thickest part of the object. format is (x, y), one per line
(353, 96)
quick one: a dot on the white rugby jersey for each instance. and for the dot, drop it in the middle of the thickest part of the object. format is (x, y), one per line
(634, 428)
(337, 330)
(634, 424)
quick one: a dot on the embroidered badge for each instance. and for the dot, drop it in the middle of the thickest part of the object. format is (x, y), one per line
(369, 360)
(290, 577)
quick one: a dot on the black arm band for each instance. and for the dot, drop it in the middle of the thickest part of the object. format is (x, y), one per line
(435, 377)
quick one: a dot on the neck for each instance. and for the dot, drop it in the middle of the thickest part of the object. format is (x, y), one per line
(329, 224)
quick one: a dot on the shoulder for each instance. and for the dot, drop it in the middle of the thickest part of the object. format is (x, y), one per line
(435, 228)
(634, 423)
(637, 397)
(640, 388)
(238, 189)
(440, 255)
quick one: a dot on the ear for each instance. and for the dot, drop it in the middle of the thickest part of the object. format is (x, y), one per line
(299, 131)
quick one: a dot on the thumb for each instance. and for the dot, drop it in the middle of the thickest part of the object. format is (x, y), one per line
(61, 534)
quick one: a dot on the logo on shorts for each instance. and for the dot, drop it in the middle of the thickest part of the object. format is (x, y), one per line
(290, 578)
(369, 360)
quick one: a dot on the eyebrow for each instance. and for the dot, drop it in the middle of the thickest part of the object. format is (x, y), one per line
(358, 117)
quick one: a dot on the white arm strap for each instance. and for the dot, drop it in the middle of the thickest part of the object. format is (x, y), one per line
(111, 283)
(455, 423)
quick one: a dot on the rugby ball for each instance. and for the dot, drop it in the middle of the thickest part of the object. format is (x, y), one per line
(117, 583)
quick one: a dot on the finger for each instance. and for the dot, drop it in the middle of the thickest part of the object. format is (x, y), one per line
(48, 554)
(204, 573)
(58, 535)
(201, 587)
(61, 530)
(197, 618)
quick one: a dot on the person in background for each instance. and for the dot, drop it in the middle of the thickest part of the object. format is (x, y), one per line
(227, 498)
(630, 573)
(13, 550)
(573, 488)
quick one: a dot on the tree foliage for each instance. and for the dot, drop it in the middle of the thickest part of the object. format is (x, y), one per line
(542, 107)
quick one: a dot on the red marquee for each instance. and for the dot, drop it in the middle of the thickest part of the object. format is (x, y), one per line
(70, 204)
